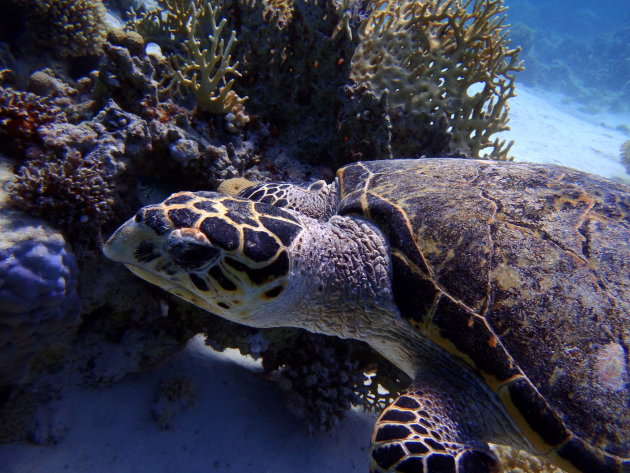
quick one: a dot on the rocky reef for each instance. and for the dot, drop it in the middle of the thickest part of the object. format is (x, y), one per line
(95, 122)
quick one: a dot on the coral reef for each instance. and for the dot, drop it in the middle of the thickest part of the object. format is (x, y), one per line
(46, 186)
(322, 380)
(364, 129)
(72, 185)
(141, 124)
(296, 56)
(39, 303)
(63, 29)
(429, 55)
(293, 81)
(321, 376)
(38, 296)
(125, 77)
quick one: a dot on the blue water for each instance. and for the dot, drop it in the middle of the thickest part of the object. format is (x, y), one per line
(580, 49)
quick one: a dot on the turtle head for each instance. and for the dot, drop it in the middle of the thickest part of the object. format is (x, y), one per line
(227, 255)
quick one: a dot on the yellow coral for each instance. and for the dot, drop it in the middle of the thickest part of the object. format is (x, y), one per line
(234, 185)
(430, 55)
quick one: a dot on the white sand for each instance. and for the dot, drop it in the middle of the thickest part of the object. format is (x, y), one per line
(240, 422)
(546, 131)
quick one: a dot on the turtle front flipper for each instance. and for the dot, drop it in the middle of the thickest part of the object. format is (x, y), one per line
(317, 199)
(421, 433)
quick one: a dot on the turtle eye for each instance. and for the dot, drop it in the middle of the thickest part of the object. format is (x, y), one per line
(190, 253)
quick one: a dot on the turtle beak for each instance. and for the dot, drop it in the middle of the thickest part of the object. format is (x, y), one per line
(122, 245)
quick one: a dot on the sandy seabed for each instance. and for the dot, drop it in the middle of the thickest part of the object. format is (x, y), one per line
(240, 422)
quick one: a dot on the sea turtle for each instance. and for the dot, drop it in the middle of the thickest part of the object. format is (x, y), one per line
(502, 289)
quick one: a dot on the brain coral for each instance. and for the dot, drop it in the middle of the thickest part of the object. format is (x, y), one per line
(38, 296)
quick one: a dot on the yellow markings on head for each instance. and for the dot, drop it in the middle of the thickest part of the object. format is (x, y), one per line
(236, 217)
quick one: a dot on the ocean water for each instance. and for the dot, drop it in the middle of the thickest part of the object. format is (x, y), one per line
(580, 49)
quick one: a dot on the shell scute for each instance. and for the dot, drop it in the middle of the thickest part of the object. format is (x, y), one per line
(460, 330)
(540, 417)
(410, 280)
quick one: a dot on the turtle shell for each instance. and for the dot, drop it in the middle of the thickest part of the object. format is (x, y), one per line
(522, 272)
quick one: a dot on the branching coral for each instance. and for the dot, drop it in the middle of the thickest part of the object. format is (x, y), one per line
(429, 55)
(204, 65)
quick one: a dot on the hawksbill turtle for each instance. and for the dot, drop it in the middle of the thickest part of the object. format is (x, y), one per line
(501, 289)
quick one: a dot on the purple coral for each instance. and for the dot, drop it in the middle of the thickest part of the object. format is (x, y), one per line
(39, 303)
